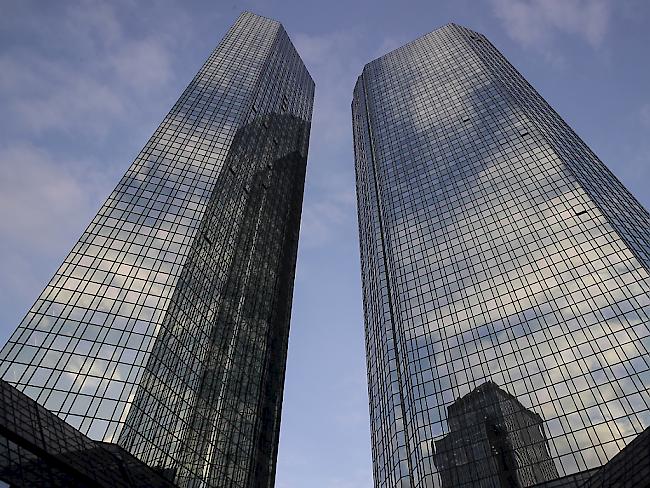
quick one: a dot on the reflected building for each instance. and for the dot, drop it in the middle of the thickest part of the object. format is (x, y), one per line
(494, 441)
(165, 330)
(495, 246)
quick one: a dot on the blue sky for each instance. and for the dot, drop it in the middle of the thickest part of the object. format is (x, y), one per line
(84, 84)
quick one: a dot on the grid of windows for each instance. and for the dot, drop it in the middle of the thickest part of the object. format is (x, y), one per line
(493, 441)
(165, 329)
(496, 247)
(39, 449)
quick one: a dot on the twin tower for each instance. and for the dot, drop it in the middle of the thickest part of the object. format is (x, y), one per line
(505, 283)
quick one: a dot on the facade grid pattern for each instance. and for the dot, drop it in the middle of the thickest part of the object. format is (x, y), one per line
(38, 449)
(495, 246)
(182, 283)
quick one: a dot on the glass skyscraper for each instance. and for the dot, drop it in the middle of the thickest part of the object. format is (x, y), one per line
(495, 247)
(165, 329)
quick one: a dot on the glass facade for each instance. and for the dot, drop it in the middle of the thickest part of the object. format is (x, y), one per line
(165, 329)
(495, 247)
(38, 449)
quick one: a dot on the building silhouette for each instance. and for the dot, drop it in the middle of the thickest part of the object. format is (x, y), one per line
(165, 329)
(38, 449)
(495, 246)
(493, 441)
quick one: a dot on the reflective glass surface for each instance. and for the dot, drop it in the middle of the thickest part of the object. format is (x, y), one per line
(165, 329)
(496, 249)
(38, 449)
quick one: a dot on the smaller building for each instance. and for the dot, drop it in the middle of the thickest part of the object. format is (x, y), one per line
(630, 468)
(494, 441)
(38, 449)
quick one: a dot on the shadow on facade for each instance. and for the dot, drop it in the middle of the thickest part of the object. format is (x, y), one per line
(208, 407)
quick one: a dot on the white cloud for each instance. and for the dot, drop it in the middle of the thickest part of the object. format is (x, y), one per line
(94, 22)
(534, 23)
(327, 209)
(75, 80)
(42, 199)
(389, 44)
(335, 61)
(142, 64)
(43, 95)
(44, 206)
(92, 81)
(77, 84)
(644, 115)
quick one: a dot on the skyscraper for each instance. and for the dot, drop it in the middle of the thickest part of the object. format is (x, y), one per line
(165, 329)
(495, 246)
